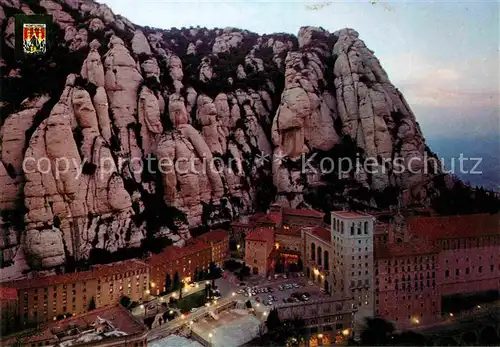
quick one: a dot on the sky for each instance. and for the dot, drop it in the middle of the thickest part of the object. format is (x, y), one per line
(443, 56)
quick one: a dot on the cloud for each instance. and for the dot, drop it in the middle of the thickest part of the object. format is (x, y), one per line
(462, 83)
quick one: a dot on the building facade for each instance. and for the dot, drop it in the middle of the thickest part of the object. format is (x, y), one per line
(406, 287)
(352, 241)
(421, 261)
(218, 240)
(44, 299)
(196, 255)
(8, 310)
(259, 245)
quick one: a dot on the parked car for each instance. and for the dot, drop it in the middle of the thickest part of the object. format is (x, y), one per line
(194, 309)
(240, 291)
(306, 294)
(242, 284)
(295, 285)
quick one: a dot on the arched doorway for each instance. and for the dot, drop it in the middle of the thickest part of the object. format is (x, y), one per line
(255, 270)
(327, 286)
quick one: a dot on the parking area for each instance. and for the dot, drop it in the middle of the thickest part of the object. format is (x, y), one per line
(287, 290)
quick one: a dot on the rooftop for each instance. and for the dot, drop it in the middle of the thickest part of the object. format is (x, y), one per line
(97, 271)
(271, 217)
(303, 212)
(8, 294)
(351, 214)
(406, 249)
(173, 253)
(320, 232)
(96, 325)
(217, 235)
(452, 227)
(262, 234)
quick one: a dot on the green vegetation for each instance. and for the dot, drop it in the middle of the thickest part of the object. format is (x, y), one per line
(188, 302)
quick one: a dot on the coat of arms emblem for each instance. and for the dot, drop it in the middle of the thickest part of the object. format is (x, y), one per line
(34, 38)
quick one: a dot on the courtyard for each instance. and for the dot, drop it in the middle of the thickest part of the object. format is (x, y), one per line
(233, 327)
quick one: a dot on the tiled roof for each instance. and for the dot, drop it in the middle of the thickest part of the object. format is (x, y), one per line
(351, 214)
(449, 227)
(8, 294)
(262, 234)
(303, 212)
(97, 271)
(217, 235)
(272, 217)
(173, 253)
(323, 233)
(118, 316)
(413, 248)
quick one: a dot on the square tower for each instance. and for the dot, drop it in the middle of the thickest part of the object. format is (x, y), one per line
(353, 264)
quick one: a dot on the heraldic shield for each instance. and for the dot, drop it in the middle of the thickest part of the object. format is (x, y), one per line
(34, 38)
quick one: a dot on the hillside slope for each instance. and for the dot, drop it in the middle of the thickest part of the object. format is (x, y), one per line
(117, 102)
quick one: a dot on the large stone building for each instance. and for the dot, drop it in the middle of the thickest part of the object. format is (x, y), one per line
(259, 245)
(218, 240)
(43, 299)
(340, 259)
(106, 327)
(422, 261)
(196, 255)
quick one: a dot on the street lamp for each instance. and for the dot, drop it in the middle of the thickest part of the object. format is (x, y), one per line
(210, 335)
(238, 247)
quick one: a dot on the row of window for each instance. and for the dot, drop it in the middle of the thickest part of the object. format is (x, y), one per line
(338, 226)
(467, 270)
(469, 243)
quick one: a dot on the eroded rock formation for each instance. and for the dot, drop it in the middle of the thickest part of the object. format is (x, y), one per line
(147, 133)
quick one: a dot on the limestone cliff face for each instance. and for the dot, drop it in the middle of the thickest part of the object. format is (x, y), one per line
(140, 132)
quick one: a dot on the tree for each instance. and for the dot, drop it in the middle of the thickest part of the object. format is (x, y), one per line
(376, 332)
(168, 283)
(92, 304)
(177, 282)
(202, 275)
(273, 321)
(125, 301)
(181, 287)
(212, 270)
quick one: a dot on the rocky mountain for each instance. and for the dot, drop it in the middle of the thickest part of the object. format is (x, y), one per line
(91, 132)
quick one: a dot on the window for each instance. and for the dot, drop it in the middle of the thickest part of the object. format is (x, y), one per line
(457, 272)
(480, 269)
(319, 255)
(326, 260)
(447, 273)
(313, 251)
(366, 228)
